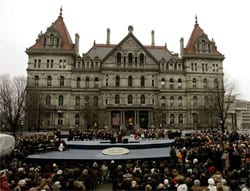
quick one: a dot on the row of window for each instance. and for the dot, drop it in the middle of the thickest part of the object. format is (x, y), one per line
(86, 64)
(204, 67)
(173, 119)
(49, 63)
(88, 101)
(130, 82)
(130, 58)
(171, 66)
(94, 102)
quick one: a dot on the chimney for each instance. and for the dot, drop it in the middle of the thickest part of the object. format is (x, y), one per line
(153, 38)
(181, 46)
(108, 36)
(77, 37)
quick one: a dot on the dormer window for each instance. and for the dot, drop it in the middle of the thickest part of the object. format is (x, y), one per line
(203, 46)
(52, 39)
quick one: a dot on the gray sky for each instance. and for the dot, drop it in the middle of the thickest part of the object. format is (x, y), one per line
(227, 21)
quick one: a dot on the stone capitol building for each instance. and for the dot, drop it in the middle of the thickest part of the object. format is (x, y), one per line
(123, 85)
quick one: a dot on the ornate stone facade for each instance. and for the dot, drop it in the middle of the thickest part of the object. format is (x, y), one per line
(124, 85)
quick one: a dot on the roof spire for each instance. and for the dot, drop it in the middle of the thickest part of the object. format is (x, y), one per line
(60, 15)
(196, 20)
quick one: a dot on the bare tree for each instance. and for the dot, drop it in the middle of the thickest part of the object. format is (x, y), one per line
(90, 112)
(12, 100)
(34, 110)
(221, 98)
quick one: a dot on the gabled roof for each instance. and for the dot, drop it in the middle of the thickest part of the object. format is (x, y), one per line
(105, 50)
(130, 35)
(195, 35)
(61, 28)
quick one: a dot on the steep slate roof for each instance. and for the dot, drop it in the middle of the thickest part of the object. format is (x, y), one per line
(160, 52)
(61, 28)
(195, 35)
(100, 50)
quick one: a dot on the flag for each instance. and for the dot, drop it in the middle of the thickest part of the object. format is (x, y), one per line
(116, 119)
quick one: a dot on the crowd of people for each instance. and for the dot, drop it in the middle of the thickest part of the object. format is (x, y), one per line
(201, 161)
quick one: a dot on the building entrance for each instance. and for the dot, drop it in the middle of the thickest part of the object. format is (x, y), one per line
(143, 119)
(130, 119)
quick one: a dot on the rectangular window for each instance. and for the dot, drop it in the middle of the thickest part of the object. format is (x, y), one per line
(47, 63)
(64, 63)
(35, 62)
(60, 63)
(51, 63)
(39, 63)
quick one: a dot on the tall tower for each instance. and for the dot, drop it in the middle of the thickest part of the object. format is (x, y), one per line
(49, 68)
(204, 74)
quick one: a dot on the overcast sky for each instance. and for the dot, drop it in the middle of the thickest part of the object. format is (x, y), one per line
(226, 21)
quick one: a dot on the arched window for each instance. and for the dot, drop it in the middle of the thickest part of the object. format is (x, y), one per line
(95, 101)
(77, 119)
(163, 101)
(130, 99)
(153, 81)
(87, 82)
(180, 101)
(180, 118)
(142, 81)
(62, 81)
(48, 100)
(141, 58)
(194, 83)
(87, 101)
(206, 101)
(60, 100)
(130, 58)
(163, 83)
(118, 58)
(117, 99)
(171, 83)
(130, 81)
(117, 81)
(96, 82)
(172, 120)
(77, 101)
(216, 83)
(195, 118)
(204, 83)
(142, 99)
(179, 83)
(36, 80)
(78, 82)
(49, 79)
(195, 101)
(60, 118)
(171, 101)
